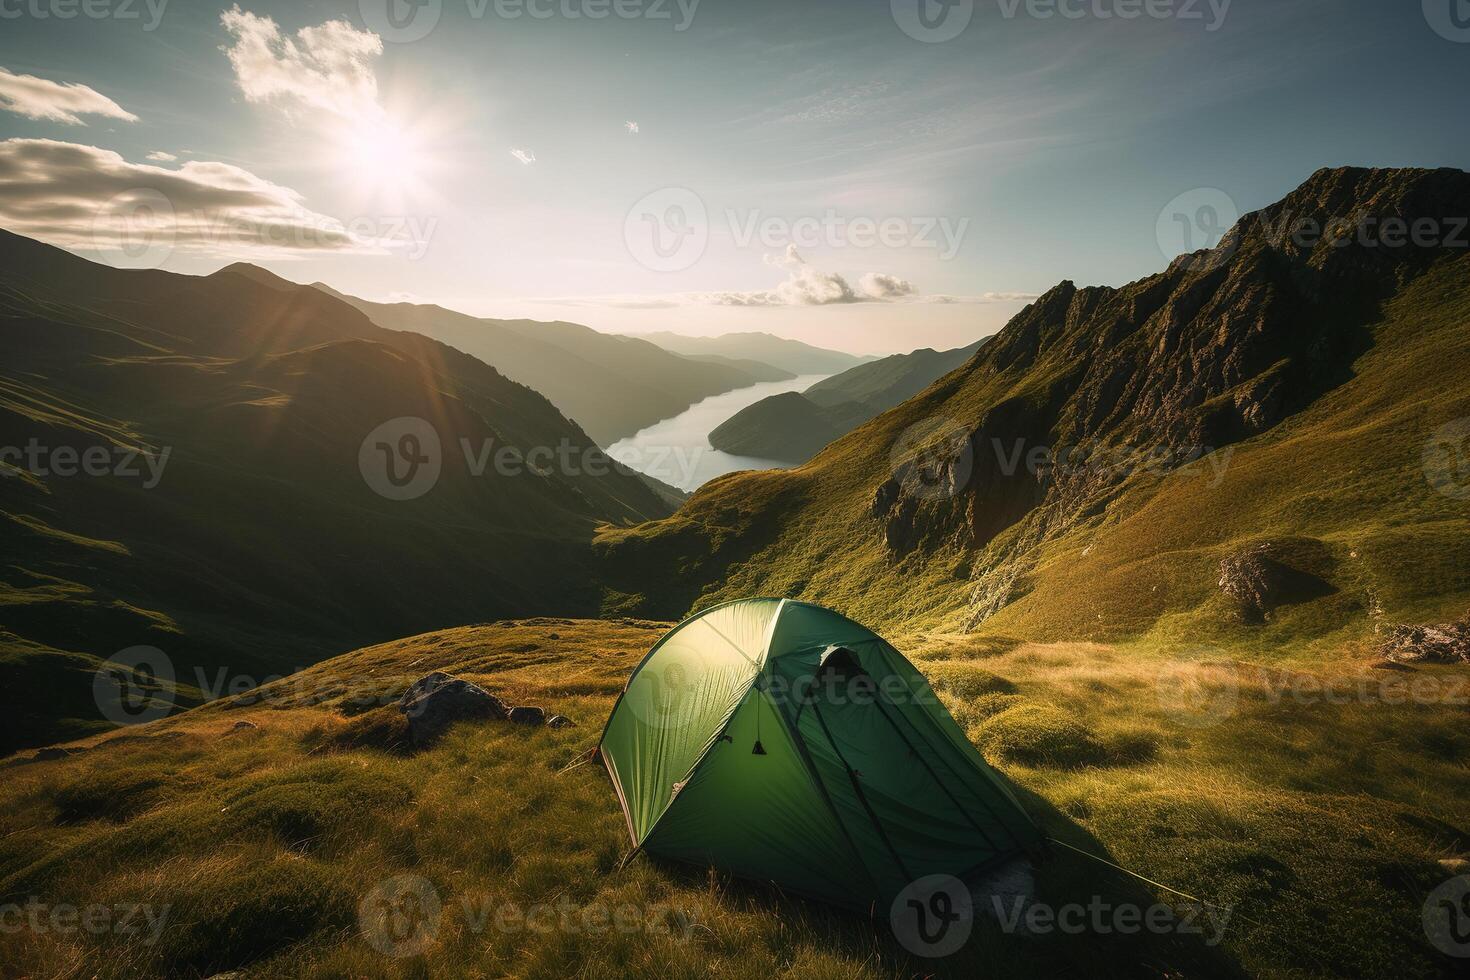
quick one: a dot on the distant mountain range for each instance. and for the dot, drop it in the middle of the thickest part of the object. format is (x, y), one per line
(788, 355)
(1262, 446)
(795, 426)
(611, 385)
(238, 431)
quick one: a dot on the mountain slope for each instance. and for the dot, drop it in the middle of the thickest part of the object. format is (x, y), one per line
(234, 512)
(1305, 377)
(611, 385)
(795, 426)
(788, 355)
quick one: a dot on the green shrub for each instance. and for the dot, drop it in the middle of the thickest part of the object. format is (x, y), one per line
(114, 796)
(1040, 735)
(228, 922)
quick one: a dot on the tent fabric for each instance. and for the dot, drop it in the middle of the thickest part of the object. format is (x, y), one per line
(783, 742)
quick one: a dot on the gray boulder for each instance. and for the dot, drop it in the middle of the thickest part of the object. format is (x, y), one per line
(560, 721)
(528, 716)
(433, 703)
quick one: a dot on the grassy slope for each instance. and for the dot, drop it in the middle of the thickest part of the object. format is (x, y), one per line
(262, 844)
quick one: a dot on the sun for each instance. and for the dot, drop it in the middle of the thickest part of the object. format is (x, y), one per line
(382, 157)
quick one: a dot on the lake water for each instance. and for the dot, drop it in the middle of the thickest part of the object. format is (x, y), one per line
(677, 450)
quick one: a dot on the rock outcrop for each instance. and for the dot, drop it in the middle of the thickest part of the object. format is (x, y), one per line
(1258, 580)
(1448, 643)
(433, 703)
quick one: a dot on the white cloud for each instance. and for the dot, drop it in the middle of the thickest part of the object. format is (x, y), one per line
(159, 156)
(81, 196)
(39, 98)
(329, 67)
(523, 156)
(878, 285)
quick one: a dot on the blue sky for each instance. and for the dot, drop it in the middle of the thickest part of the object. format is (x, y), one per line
(805, 168)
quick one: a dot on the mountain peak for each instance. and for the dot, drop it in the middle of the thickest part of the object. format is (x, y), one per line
(256, 274)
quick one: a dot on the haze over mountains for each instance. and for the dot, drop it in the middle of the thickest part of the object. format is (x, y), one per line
(611, 385)
(788, 355)
(1087, 473)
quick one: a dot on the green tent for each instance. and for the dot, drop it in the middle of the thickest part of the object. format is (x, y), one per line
(783, 742)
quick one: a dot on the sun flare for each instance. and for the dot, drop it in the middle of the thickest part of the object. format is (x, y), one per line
(383, 157)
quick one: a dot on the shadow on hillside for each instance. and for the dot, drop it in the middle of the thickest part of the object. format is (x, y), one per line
(1087, 920)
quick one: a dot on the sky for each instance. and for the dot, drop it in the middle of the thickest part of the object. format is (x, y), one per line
(868, 175)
